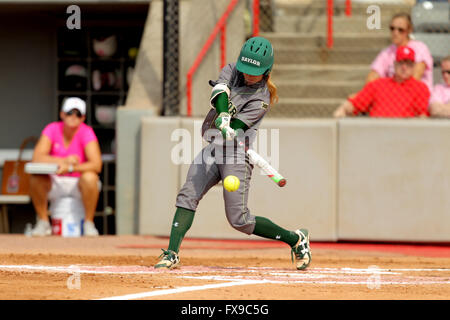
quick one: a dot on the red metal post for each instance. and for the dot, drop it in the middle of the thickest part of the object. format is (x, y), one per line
(223, 46)
(189, 94)
(348, 7)
(330, 24)
(255, 18)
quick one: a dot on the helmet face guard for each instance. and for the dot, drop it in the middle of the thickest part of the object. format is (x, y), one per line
(256, 57)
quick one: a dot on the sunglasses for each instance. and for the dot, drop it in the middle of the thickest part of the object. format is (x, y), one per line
(446, 71)
(401, 30)
(75, 112)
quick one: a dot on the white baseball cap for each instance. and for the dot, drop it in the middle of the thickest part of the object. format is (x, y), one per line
(74, 103)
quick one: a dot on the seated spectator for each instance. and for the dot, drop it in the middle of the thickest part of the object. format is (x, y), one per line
(440, 98)
(383, 65)
(73, 145)
(400, 96)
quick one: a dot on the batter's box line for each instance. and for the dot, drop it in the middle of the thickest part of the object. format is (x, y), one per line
(315, 281)
(178, 290)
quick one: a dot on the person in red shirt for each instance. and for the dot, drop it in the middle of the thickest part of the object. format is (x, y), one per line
(401, 96)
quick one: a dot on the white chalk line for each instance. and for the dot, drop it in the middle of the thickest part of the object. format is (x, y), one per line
(313, 281)
(73, 268)
(183, 289)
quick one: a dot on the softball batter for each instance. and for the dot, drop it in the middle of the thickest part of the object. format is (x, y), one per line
(240, 99)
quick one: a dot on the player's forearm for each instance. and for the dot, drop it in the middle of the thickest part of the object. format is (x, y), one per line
(221, 103)
(95, 166)
(237, 124)
(46, 158)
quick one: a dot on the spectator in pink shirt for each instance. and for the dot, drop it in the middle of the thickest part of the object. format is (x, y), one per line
(73, 145)
(383, 65)
(440, 98)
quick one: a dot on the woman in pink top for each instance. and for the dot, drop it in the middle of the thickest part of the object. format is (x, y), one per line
(383, 65)
(74, 147)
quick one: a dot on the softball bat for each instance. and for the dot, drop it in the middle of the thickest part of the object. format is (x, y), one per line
(266, 167)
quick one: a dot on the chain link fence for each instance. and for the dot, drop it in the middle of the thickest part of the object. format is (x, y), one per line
(321, 62)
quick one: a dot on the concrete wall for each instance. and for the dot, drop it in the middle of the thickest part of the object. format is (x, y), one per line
(352, 179)
(394, 180)
(128, 168)
(159, 175)
(307, 157)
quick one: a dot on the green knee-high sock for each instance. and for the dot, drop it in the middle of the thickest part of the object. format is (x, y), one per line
(267, 229)
(182, 221)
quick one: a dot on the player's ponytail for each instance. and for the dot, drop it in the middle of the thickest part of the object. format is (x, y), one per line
(273, 91)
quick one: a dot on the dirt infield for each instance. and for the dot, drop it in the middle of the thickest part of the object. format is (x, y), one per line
(120, 267)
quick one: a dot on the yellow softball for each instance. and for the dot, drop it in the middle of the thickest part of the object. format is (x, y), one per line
(231, 183)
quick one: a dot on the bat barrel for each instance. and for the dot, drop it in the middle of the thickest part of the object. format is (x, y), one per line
(266, 168)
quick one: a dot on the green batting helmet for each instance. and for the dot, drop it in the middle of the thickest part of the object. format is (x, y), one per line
(256, 57)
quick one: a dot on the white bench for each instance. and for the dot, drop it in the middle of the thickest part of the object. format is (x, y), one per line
(6, 200)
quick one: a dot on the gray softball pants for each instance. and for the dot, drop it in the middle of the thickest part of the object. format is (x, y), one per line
(209, 167)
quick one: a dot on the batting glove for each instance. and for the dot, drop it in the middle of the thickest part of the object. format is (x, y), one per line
(223, 124)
